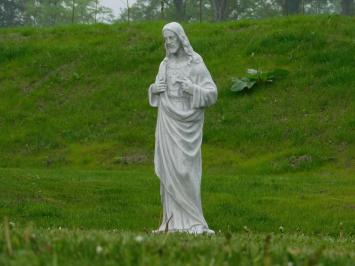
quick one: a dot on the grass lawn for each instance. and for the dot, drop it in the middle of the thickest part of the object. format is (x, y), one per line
(128, 199)
(77, 138)
(78, 217)
(108, 247)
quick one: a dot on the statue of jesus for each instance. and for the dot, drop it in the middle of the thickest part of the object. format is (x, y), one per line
(182, 89)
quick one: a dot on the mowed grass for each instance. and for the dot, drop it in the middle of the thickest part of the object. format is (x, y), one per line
(77, 95)
(111, 247)
(77, 140)
(128, 199)
(81, 217)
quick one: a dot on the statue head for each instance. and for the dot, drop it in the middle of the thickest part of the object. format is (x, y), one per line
(171, 42)
(175, 39)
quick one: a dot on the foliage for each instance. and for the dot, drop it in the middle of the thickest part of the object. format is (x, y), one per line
(55, 12)
(226, 9)
(10, 12)
(257, 77)
(142, 10)
(52, 12)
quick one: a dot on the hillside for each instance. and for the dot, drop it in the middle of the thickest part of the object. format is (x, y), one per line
(77, 95)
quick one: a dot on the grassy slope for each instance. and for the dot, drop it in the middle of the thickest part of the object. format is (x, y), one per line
(77, 95)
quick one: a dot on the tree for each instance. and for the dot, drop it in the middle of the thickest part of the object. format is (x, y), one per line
(290, 7)
(321, 6)
(46, 12)
(53, 12)
(96, 9)
(11, 13)
(143, 10)
(219, 9)
(72, 11)
(197, 10)
(347, 7)
(254, 9)
(180, 9)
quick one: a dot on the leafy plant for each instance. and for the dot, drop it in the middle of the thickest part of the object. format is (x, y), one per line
(257, 77)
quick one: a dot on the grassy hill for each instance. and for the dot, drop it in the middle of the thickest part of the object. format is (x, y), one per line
(77, 95)
(77, 140)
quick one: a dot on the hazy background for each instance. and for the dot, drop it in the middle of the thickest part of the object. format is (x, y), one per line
(59, 12)
(116, 5)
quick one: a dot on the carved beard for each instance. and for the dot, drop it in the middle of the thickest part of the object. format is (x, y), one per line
(173, 49)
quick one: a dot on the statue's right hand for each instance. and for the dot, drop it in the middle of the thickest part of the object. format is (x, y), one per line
(159, 87)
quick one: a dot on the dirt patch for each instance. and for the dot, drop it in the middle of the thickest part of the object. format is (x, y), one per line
(60, 71)
(297, 161)
(131, 159)
(14, 37)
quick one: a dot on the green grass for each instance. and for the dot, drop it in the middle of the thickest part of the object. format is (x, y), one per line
(311, 203)
(81, 217)
(81, 247)
(77, 95)
(77, 140)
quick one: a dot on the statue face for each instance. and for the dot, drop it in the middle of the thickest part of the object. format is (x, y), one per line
(172, 42)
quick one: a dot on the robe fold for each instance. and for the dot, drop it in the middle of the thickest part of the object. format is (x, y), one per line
(177, 158)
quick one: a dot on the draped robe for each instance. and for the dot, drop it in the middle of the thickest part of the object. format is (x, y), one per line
(177, 158)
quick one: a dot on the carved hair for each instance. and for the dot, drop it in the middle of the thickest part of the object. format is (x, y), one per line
(180, 33)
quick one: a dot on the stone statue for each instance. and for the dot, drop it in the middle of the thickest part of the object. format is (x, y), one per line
(182, 89)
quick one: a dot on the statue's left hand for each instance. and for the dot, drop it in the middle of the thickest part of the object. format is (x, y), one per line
(187, 85)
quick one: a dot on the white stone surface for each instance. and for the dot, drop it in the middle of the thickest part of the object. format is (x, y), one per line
(182, 89)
